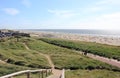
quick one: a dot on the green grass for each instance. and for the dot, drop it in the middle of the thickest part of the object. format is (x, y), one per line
(20, 58)
(9, 68)
(27, 58)
(65, 58)
(91, 74)
(90, 47)
(16, 55)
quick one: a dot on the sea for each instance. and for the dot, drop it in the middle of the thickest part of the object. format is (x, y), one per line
(108, 33)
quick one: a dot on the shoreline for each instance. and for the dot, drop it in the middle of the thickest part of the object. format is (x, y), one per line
(109, 40)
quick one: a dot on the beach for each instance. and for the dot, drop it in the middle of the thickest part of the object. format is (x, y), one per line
(79, 37)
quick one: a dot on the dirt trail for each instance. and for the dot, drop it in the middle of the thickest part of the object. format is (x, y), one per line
(49, 59)
(106, 60)
(103, 59)
(56, 72)
(3, 62)
(26, 46)
(45, 55)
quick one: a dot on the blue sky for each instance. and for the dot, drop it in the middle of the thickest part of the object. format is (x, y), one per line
(60, 14)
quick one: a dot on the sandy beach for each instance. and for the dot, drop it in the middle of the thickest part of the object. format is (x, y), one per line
(79, 37)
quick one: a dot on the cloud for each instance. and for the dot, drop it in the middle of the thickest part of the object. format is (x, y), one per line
(111, 2)
(105, 21)
(63, 13)
(26, 3)
(11, 11)
(93, 9)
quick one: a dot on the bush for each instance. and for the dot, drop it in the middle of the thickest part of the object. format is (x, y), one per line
(22, 63)
(10, 61)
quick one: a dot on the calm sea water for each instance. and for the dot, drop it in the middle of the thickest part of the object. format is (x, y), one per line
(83, 31)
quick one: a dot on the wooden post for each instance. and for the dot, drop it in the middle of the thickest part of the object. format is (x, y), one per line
(39, 74)
(42, 74)
(28, 74)
(46, 73)
(49, 72)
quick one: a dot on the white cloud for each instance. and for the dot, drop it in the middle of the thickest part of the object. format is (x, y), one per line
(105, 21)
(26, 3)
(93, 9)
(63, 13)
(11, 11)
(113, 2)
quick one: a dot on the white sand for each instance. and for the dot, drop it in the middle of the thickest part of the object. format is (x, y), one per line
(80, 37)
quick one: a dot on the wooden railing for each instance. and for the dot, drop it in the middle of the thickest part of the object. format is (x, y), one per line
(28, 73)
(63, 74)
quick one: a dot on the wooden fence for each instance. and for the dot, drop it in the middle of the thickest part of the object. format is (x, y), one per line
(28, 73)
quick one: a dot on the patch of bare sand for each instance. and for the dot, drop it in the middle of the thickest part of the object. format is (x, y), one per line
(79, 37)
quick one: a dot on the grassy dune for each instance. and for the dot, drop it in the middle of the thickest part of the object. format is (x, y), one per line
(90, 47)
(15, 54)
(9, 68)
(65, 58)
(19, 58)
(91, 74)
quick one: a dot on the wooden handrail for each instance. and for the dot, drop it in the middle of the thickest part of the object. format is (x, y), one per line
(25, 71)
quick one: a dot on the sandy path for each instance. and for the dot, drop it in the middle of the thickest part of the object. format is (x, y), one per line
(48, 58)
(2, 62)
(103, 59)
(56, 73)
(106, 60)
(26, 46)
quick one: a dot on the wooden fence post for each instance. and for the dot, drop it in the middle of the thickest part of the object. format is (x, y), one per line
(42, 74)
(46, 73)
(39, 74)
(49, 72)
(28, 74)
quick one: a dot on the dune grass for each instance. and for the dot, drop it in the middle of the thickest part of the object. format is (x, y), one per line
(15, 53)
(68, 59)
(9, 68)
(91, 74)
(90, 47)
(17, 57)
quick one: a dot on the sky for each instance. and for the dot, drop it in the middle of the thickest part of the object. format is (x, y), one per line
(60, 14)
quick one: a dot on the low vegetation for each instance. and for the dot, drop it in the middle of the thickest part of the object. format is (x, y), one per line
(9, 68)
(68, 59)
(91, 74)
(17, 57)
(15, 53)
(90, 47)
